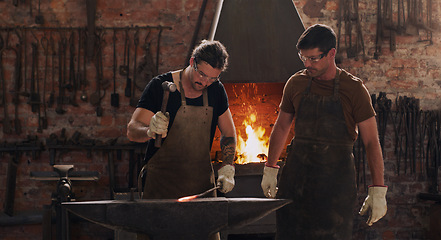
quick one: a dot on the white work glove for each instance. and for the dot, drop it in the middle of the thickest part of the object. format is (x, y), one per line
(225, 178)
(375, 203)
(158, 125)
(269, 181)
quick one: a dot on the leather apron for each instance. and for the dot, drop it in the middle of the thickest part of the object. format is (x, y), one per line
(319, 173)
(182, 166)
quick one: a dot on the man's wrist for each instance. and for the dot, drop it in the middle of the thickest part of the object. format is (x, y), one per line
(150, 133)
(271, 166)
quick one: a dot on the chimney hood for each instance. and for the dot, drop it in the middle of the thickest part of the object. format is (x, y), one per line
(261, 38)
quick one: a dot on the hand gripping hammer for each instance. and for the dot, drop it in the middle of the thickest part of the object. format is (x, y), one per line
(167, 87)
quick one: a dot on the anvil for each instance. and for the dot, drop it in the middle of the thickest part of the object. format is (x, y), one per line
(170, 219)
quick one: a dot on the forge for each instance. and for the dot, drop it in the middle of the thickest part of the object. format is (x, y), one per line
(171, 219)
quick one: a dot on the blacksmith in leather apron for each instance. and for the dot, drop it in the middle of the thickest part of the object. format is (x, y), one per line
(319, 174)
(182, 166)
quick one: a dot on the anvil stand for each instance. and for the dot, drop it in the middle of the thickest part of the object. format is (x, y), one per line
(63, 193)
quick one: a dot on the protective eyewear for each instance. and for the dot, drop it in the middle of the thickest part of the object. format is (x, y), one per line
(203, 75)
(313, 58)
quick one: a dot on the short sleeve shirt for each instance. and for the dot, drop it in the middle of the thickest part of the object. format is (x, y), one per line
(354, 96)
(152, 95)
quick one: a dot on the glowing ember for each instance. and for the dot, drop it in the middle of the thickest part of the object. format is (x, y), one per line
(255, 147)
(185, 199)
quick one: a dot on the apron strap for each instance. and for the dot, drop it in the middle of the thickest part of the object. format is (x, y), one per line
(205, 95)
(308, 88)
(177, 78)
(336, 83)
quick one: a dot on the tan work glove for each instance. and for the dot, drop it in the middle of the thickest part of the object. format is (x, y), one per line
(225, 178)
(269, 181)
(375, 203)
(158, 125)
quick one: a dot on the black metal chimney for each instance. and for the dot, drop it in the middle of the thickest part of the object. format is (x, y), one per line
(261, 38)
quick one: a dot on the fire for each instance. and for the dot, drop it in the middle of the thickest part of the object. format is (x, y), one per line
(255, 147)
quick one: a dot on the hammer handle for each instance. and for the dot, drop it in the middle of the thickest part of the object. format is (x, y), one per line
(158, 139)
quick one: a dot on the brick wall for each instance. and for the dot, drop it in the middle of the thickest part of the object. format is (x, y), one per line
(411, 70)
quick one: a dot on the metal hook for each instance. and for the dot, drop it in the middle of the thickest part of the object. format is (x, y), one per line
(36, 38)
(43, 45)
(147, 45)
(136, 36)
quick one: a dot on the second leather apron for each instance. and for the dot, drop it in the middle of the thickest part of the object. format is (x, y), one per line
(319, 174)
(182, 166)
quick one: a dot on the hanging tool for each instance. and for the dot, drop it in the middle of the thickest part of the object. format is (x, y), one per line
(128, 89)
(34, 99)
(25, 93)
(45, 45)
(69, 85)
(84, 80)
(158, 48)
(167, 87)
(17, 83)
(72, 79)
(133, 99)
(95, 98)
(338, 57)
(379, 35)
(39, 19)
(360, 39)
(124, 69)
(147, 68)
(53, 54)
(91, 16)
(61, 52)
(114, 97)
(35, 90)
(7, 128)
(78, 80)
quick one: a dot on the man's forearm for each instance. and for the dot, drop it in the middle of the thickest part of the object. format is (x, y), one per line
(137, 132)
(228, 147)
(376, 163)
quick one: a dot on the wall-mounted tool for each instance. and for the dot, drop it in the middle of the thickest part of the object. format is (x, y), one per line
(72, 79)
(124, 68)
(114, 98)
(133, 99)
(91, 16)
(84, 81)
(7, 128)
(61, 52)
(39, 19)
(33, 145)
(147, 68)
(51, 100)
(128, 89)
(45, 45)
(34, 99)
(17, 84)
(96, 97)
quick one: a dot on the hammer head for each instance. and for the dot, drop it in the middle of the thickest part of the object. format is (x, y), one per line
(169, 86)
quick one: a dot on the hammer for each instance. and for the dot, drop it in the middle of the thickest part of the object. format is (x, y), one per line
(167, 87)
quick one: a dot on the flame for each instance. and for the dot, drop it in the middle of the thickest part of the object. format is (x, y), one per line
(255, 147)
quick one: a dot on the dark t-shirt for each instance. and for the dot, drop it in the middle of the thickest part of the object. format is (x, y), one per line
(151, 100)
(354, 96)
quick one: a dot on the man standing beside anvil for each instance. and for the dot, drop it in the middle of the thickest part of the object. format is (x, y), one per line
(182, 165)
(330, 105)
